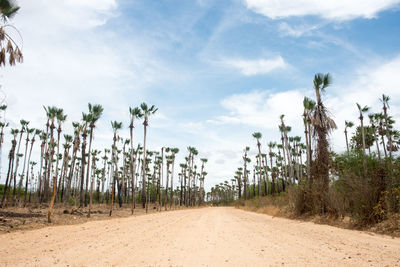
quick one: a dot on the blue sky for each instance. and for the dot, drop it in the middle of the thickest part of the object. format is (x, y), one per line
(217, 70)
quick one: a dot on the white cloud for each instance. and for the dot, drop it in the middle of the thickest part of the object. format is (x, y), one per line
(296, 31)
(328, 9)
(256, 67)
(262, 109)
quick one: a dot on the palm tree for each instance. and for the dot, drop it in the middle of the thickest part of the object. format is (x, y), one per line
(11, 156)
(66, 158)
(174, 151)
(381, 131)
(103, 180)
(347, 124)
(146, 113)
(272, 145)
(52, 115)
(61, 118)
(135, 113)
(28, 132)
(76, 144)
(309, 105)
(86, 118)
(169, 162)
(95, 111)
(363, 110)
(373, 127)
(8, 46)
(322, 126)
(94, 170)
(24, 125)
(8, 9)
(36, 132)
(385, 102)
(285, 142)
(116, 126)
(59, 115)
(203, 174)
(245, 176)
(257, 136)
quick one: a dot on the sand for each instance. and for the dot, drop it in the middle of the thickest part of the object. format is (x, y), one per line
(198, 237)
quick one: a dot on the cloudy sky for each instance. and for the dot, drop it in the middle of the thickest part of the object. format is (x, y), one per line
(218, 70)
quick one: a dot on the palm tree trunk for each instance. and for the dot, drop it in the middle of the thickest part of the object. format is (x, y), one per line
(72, 169)
(114, 173)
(363, 144)
(40, 178)
(83, 162)
(27, 171)
(23, 169)
(172, 182)
(132, 169)
(88, 165)
(49, 176)
(144, 195)
(16, 168)
(9, 172)
(92, 185)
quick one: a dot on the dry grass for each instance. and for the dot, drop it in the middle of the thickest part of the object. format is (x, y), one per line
(279, 206)
(274, 206)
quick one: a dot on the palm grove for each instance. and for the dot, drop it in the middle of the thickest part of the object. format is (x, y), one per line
(364, 181)
(71, 171)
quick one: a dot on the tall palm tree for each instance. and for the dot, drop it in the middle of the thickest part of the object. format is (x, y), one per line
(59, 115)
(372, 121)
(245, 176)
(192, 173)
(257, 136)
(309, 105)
(116, 126)
(66, 158)
(24, 125)
(286, 146)
(146, 113)
(36, 132)
(385, 101)
(322, 126)
(61, 118)
(28, 133)
(96, 112)
(169, 162)
(203, 174)
(86, 119)
(271, 146)
(174, 151)
(347, 124)
(381, 131)
(76, 144)
(362, 111)
(51, 114)
(11, 156)
(135, 113)
(94, 160)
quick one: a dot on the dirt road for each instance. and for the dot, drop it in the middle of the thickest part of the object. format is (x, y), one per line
(198, 237)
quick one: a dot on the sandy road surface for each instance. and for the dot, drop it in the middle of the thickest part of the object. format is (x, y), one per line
(198, 237)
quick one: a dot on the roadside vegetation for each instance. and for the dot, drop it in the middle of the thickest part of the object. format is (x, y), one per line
(308, 178)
